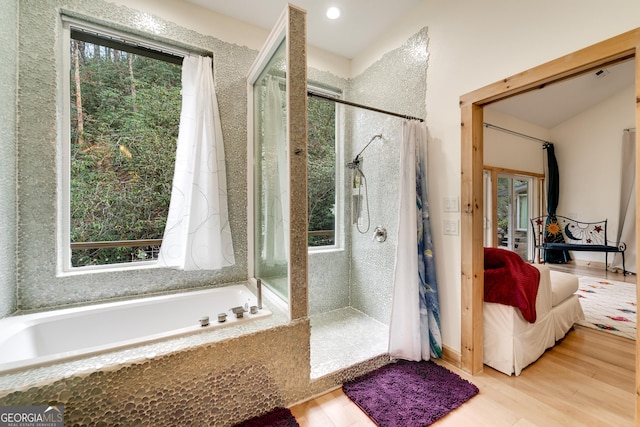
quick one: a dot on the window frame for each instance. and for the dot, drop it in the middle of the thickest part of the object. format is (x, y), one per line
(339, 203)
(520, 226)
(63, 236)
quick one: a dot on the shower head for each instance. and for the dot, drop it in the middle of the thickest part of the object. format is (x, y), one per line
(355, 164)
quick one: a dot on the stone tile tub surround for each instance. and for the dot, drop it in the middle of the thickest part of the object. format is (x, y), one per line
(221, 377)
(214, 378)
(37, 339)
(215, 385)
(8, 124)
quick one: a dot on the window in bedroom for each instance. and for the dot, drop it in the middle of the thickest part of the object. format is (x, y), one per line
(511, 199)
(124, 112)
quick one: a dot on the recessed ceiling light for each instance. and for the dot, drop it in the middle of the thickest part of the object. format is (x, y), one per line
(333, 12)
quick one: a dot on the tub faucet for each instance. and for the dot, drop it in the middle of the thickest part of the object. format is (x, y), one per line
(259, 293)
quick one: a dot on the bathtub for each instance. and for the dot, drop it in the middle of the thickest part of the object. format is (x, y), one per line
(37, 339)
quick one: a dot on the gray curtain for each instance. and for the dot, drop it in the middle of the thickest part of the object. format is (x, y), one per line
(627, 215)
(553, 196)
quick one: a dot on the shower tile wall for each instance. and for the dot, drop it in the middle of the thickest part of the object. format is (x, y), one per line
(372, 261)
(8, 81)
(361, 275)
(329, 270)
(328, 281)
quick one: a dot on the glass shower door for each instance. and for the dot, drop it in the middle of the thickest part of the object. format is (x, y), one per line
(276, 158)
(270, 179)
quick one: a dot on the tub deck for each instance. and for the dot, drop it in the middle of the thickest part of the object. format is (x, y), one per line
(40, 338)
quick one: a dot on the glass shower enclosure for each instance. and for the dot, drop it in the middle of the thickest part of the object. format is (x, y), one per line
(276, 157)
(344, 290)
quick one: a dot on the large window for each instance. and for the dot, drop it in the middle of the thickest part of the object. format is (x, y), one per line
(124, 117)
(323, 179)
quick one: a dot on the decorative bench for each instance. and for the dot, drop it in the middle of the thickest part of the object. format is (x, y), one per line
(562, 233)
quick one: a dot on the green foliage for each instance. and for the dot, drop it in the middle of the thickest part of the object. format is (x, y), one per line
(321, 170)
(121, 174)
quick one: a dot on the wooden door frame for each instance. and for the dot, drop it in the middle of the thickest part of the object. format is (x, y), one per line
(624, 46)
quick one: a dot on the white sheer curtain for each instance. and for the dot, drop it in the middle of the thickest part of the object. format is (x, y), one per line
(197, 235)
(276, 192)
(404, 328)
(487, 184)
(627, 218)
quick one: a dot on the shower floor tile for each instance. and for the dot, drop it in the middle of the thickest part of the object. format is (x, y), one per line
(344, 337)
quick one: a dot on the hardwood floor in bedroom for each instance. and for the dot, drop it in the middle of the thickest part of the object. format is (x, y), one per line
(594, 270)
(587, 379)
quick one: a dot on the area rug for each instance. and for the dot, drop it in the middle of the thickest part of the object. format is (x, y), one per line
(409, 394)
(608, 305)
(279, 417)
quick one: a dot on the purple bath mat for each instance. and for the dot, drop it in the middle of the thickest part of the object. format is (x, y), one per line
(409, 394)
(279, 417)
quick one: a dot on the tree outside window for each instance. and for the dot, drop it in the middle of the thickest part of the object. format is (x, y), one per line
(322, 172)
(125, 114)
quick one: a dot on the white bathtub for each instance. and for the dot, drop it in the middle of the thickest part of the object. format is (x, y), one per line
(35, 339)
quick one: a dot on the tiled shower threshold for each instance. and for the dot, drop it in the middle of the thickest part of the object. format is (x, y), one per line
(344, 337)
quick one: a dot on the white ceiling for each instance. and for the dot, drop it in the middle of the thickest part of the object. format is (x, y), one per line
(364, 21)
(556, 103)
(361, 23)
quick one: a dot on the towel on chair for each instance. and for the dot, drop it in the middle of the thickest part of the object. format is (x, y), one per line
(509, 280)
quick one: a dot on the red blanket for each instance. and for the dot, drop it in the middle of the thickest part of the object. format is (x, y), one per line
(509, 280)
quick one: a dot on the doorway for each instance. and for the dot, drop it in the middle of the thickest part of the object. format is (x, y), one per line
(513, 213)
(511, 199)
(619, 48)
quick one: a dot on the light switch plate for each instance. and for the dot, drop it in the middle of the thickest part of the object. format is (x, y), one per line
(451, 204)
(450, 227)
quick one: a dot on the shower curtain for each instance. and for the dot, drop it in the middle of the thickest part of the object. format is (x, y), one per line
(627, 215)
(414, 330)
(197, 235)
(276, 187)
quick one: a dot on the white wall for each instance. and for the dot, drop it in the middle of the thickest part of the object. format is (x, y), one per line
(231, 30)
(473, 44)
(588, 150)
(201, 20)
(505, 150)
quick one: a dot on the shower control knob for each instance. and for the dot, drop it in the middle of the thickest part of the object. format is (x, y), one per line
(380, 234)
